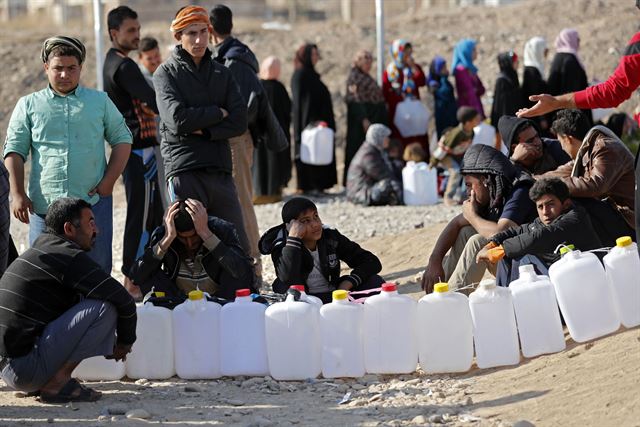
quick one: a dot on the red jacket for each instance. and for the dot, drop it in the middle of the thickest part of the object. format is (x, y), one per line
(619, 86)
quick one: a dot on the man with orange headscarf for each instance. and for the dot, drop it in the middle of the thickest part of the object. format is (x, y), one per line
(200, 109)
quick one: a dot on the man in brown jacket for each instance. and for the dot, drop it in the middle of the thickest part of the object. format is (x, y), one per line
(600, 175)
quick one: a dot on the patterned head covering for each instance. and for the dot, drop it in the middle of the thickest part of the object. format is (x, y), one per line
(190, 15)
(463, 55)
(534, 53)
(397, 67)
(57, 41)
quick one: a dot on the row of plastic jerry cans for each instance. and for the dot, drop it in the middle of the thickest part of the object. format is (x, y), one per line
(343, 339)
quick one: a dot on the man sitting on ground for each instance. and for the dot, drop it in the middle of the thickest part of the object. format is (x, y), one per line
(559, 222)
(58, 307)
(193, 251)
(498, 200)
(304, 252)
(527, 150)
(601, 174)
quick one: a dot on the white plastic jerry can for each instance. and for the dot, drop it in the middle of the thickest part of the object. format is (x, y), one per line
(411, 117)
(98, 368)
(316, 145)
(583, 295)
(445, 331)
(342, 344)
(293, 339)
(304, 296)
(196, 332)
(243, 346)
(151, 356)
(494, 326)
(390, 340)
(420, 184)
(622, 266)
(537, 314)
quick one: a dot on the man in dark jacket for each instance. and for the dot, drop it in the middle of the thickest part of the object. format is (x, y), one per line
(498, 200)
(600, 175)
(58, 307)
(193, 251)
(559, 222)
(200, 109)
(304, 252)
(370, 180)
(527, 150)
(242, 63)
(136, 100)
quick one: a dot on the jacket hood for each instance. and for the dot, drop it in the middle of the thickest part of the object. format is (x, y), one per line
(234, 49)
(483, 159)
(275, 236)
(509, 126)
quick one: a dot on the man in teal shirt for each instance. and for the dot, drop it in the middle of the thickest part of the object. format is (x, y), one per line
(64, 127)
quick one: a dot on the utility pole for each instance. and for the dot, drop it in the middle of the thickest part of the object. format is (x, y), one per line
(97, 33)
(380, 38)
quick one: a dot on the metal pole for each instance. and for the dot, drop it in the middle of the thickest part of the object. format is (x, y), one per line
(380, 38)
(97, 33)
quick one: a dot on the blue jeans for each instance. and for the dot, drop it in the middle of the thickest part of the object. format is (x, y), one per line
(508, 269)
(103, 214)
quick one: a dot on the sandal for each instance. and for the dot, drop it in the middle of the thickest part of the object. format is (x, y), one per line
(72, 391)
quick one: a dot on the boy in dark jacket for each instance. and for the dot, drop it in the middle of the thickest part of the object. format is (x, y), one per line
(559, 222)
(304, 252)
(193, 251)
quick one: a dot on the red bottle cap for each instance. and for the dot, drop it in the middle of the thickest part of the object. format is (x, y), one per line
(243, 293)
(388, 287)
(298, 288)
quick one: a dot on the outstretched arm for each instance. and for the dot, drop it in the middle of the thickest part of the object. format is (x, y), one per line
(546, 103)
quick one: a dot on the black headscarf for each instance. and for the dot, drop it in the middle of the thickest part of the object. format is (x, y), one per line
(303, 56)
(505, 62)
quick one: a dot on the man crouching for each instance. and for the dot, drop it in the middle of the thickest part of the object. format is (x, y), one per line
(58, 307)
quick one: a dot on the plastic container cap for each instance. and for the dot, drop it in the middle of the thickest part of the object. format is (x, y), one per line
(623, 241)
(159, 294)
(297, 288)
(340, 295)
(527, 268)
(565, 249)
(441, 287)
(243, 293)
(488, 283)
(388, 287)
(196, 295)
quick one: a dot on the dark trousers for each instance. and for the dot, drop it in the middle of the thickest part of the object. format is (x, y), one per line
(218, 194)
(607, 222)
(144, 205)
(508, 268)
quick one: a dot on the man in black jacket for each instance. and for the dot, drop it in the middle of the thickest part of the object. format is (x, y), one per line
(304, 252)
(193, 251)
(200, 109)
(136, 100)
(58, 307)
(559, 222)
(242, 63)
(527, 150)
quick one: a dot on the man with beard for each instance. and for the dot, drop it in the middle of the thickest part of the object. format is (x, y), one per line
(58, 307)
(136, 100)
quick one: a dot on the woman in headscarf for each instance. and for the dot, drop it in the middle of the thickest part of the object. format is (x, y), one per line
(365, 105)
(468, 85)
(442, 89)
(371, 180)
(507, 97)
(311, 103)
(567, 73)
(533, 83)
(402, 79)
(271, 170)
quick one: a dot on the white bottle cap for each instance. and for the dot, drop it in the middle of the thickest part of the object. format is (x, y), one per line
(527, 268)
(488, 283)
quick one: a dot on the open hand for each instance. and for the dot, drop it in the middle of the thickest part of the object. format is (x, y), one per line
(200, 218)
(297, 229)
(544, 104)
(21, 206)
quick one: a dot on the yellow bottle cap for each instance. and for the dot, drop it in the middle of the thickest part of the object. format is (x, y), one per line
(623, 241)
(196, 295)
(159, 294)
(340, 294)
(441, 287)
(565, 249)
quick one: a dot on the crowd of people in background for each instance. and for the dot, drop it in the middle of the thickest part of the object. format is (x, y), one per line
(203, 135)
